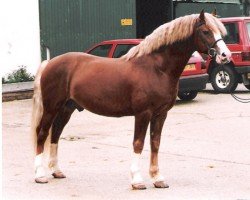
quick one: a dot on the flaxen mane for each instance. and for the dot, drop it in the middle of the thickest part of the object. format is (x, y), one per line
(176, 30)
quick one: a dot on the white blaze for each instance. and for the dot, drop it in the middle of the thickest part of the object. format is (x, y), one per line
(223, 51)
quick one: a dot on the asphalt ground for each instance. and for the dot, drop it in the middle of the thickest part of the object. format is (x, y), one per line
(204, 153)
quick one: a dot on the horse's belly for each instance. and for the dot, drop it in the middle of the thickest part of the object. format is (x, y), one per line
(107, 107)
(104, 101)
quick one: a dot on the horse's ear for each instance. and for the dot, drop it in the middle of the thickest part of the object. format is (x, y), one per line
(202, 15)
(214, 13)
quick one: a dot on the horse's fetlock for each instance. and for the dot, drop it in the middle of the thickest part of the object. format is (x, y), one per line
(153, 171)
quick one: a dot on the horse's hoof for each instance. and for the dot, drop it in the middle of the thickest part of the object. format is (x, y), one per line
(42, 180)
(58, 174)
(139, 186)
(161, 184)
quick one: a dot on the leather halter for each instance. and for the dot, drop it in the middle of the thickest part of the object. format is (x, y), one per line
(211, 50)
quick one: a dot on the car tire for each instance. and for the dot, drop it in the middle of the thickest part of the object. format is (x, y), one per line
(223, 79)
(187, 96)
(248, 87)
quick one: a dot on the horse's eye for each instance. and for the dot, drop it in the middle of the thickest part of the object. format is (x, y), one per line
(206, 32)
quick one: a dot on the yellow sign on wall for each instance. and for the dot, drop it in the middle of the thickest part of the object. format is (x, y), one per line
(126, 22)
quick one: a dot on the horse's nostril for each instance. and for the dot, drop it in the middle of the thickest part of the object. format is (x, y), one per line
(224, 55)
(225, 60)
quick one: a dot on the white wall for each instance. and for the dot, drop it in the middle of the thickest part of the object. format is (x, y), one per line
(19, 35)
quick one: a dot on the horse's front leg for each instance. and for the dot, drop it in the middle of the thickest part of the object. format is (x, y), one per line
(141, 125)
(156, 125)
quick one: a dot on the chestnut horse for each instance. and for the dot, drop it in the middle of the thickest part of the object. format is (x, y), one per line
(143, 83)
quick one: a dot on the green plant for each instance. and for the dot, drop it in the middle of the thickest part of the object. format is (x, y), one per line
(3, 80)
(19, 75)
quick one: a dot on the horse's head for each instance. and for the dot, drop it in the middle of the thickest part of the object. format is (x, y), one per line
(208, 38)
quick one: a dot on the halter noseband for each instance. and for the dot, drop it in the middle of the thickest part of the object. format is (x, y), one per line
(211, 50)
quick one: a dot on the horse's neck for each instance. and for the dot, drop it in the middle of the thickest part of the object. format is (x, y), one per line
(174, 57)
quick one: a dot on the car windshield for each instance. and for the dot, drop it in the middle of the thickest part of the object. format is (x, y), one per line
(248, 29)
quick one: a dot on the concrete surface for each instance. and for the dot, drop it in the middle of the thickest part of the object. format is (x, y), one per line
(204, 154)
(17, 91)
(13, 87)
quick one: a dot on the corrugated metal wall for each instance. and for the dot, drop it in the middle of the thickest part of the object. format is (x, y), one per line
(223, 9)
(75, 25)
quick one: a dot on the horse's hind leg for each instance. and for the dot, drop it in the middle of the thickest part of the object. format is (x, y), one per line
(155, 137)
(43, 132)
(59, 123)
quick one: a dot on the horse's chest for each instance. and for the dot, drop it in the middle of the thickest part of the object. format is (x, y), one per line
(164, 95)
(154, 97)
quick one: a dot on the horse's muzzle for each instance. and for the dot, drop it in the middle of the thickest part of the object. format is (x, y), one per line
(223, 58)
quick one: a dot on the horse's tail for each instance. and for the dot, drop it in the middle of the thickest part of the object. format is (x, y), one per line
(37, 110)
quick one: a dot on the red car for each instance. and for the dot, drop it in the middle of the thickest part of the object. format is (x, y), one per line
(226, 78)
(193, 79)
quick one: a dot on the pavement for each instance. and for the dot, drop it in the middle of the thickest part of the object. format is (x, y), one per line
(204, 153)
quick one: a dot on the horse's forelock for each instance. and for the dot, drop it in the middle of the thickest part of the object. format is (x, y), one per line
(215, 24)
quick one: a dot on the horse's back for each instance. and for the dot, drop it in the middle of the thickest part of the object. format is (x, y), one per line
(63, 67)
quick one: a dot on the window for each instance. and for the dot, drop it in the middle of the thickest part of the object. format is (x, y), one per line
(248, 29)
(122, 49)
(102, 50)
(232, 36)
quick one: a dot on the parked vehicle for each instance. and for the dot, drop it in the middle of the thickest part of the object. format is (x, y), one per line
(226, 78)
(193, 79)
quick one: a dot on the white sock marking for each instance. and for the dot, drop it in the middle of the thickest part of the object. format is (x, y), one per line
(157, 178)
(53, 163)
(135, 170)
(39, 169)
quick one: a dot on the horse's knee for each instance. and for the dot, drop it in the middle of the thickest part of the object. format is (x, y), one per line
(138, 146)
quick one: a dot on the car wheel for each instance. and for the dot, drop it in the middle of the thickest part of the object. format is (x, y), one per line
(187, 96)
(248, 87)
(223, 79)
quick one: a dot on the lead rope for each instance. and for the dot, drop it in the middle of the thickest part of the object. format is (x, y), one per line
(239, 99)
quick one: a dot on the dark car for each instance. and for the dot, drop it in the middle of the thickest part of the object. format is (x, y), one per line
(193, 78)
